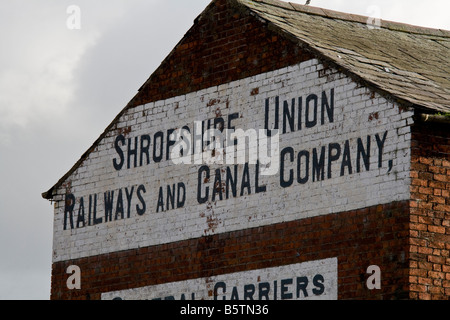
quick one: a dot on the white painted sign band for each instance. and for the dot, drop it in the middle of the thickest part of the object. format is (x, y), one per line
(341, 147)
(314, 280)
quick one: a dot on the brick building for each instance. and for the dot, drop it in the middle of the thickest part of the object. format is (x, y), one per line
(357, 176)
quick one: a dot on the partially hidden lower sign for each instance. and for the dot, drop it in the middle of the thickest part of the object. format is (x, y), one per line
(314, 280)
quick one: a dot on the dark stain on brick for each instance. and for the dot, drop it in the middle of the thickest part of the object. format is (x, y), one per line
(254, 92)
(213, 102)
(68, 187)
(124, 131)
(374, 115)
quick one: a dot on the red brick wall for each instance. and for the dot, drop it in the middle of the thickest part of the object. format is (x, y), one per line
(360, 238)
(430, 212)
(224, 46)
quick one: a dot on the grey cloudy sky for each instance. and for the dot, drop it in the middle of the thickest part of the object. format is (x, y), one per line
(59, 89)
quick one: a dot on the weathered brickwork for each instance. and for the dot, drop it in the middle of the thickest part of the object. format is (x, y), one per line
(312, 280)
(376, 235)
(358, 181)
(225, 45)
(121, 192)
(430, 212)
(144, 251)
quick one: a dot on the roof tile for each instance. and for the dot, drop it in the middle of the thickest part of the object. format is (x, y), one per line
(389, 57)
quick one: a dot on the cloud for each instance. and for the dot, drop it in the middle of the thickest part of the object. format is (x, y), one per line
(60, 88)
(128, 53)
(36, 72)
(38, 62)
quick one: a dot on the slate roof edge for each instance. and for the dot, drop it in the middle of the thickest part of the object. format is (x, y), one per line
(331, 61)
(48, 195)
(332, 14)
(434, 118)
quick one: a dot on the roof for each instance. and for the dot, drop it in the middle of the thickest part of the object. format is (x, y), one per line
(407, 63)
(410, 63)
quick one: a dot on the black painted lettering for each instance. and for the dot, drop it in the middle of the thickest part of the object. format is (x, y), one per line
(299, 113)
(333, 156)
(109, 199)
(81, 214)
(69, 205)
(217, 186)
(132, 152)
(129, 195)
(219, 124)
(327, 106)
(288, 116)
(170, 142)
(231, 181)
(309, 123)
(181, 195)
(346, 159)
(185, 136)
(246, 180)
(380, 144)
(231, 118)
(318, 281)
(318, 170)
(249, 291)
(203, 169)
(158, 140)
(234, 294)
(364, 154)
(231, 127)
(140, 209)
(302, 284)
(89, 211)
(205, 129)
(160, 205)
(170, 197)
(275, 290)
(263, 290)
(285, 294)
(267, 118)
(145, 146)
(286, 183)
(220, 285)
(94, 211)
(119, 206)
(119, 164)
(305, 155)
(258, 188)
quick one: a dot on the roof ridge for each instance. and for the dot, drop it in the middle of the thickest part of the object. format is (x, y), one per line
(419, 90)
(332, 14)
